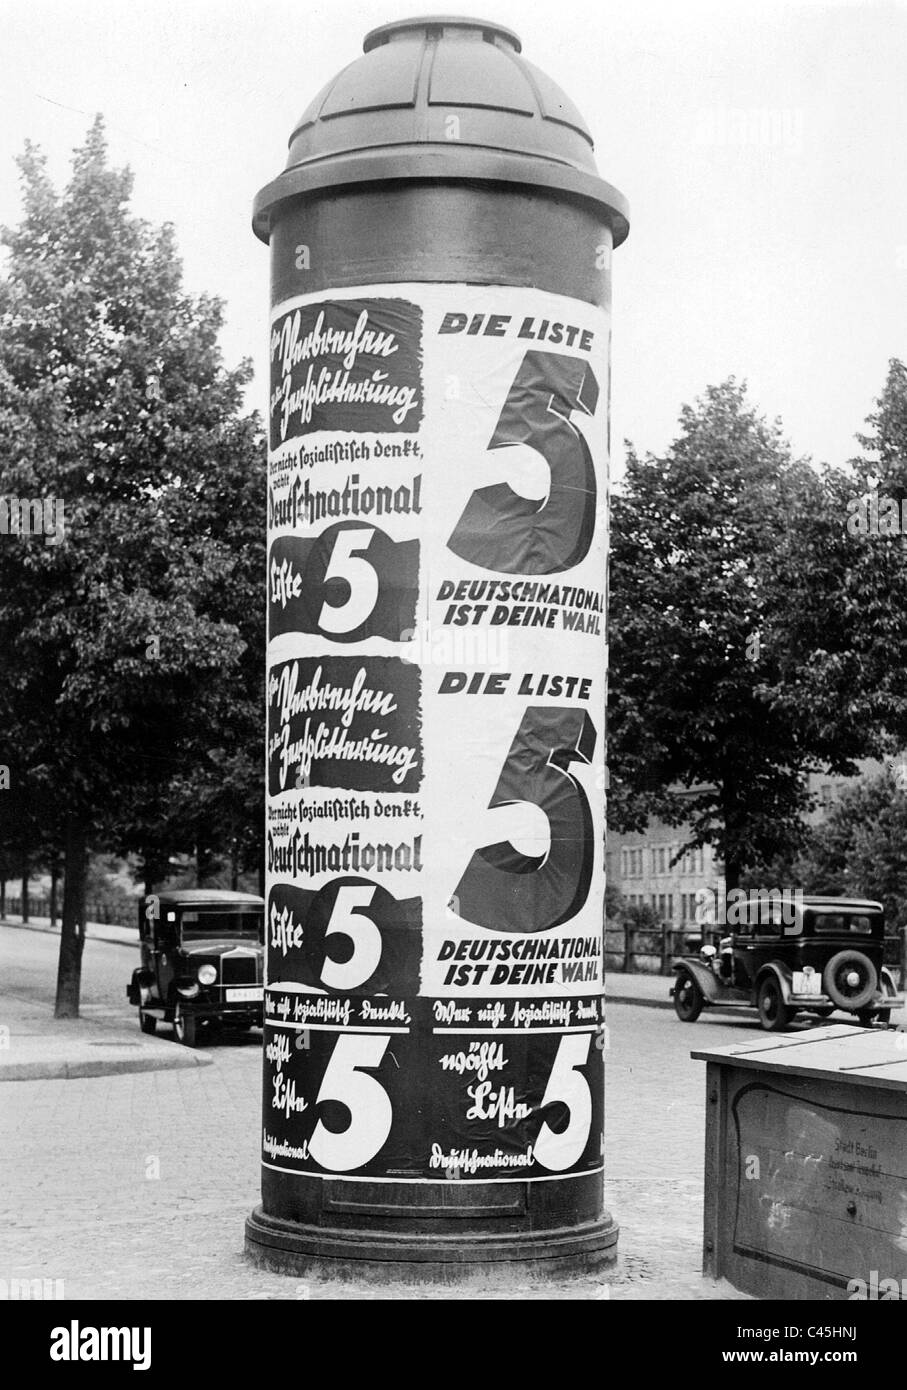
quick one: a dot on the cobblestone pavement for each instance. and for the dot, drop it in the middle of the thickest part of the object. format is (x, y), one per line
(138, 1185)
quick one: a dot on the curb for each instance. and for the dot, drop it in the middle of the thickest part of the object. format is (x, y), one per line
(73, 1071)
(646, 1001)
(640, 1003)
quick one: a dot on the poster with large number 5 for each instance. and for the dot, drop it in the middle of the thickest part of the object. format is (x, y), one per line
(437, 502)
(515, 563)
(416, 1099)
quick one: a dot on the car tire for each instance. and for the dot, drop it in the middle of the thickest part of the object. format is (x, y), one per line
(185, 1027)
(837, 985)
(774, 1013)
(147, 1022)
(688, 998)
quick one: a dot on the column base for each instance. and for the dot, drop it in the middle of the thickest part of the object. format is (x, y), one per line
(288, 1247)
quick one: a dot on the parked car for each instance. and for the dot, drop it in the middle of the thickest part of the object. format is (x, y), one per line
(820, 955)
(202, 954)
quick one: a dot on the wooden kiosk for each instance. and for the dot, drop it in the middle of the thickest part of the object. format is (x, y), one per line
(806, 1164)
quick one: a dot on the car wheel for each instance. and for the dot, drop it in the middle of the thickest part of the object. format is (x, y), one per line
(688, 998)
(147, 1022)
(850, 980)
(184, 1027)
(774, 1014)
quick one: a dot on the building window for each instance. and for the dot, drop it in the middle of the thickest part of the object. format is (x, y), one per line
(694, 861)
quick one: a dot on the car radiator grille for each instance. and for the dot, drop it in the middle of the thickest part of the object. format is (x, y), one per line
(239, 970)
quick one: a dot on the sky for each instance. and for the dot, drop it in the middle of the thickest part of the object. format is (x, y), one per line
(761, 145)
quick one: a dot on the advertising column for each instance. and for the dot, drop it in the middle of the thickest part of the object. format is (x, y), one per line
(436, 680)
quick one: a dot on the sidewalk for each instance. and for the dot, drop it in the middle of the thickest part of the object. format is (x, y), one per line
(95, 931)
(649, 991)
(35, 1046)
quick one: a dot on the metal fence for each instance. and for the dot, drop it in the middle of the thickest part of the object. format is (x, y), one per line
(649, 950)
(107, 913)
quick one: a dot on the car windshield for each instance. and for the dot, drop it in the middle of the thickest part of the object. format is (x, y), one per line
(841, 923)
(222, 923)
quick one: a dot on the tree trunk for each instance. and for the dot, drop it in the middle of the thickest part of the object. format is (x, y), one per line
(54, 884)
(72, 933)
(3, 896)
(732, 828)
(204, 864)
(25, 889)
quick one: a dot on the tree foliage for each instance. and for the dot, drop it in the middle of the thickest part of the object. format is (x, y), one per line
(749, 635)
(859, 849)
(132, 659)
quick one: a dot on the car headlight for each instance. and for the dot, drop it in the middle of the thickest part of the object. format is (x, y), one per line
(207, 974)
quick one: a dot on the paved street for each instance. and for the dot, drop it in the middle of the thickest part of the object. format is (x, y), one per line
(138, 1185)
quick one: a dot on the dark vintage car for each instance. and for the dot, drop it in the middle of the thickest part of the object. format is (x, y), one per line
(202, 957)
(816, 955)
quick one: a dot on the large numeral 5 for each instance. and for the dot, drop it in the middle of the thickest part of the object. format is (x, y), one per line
(566, 1083)
(358, 574)
(363, 933)
(512, 892)
(501, 530)
(371, 1112)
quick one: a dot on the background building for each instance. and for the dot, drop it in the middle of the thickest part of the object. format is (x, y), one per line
(645, 868)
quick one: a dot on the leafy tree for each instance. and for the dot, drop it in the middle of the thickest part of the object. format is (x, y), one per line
(614, 902)
(725, 622)
(859, 849)
(848, 639)
(115, 403)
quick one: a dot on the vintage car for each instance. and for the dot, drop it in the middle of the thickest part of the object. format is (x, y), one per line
(810, 954)
(202, 955)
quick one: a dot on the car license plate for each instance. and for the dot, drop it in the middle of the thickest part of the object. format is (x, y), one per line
(252, 995)
(807, 984)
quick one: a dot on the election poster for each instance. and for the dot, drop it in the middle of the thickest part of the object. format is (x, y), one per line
(437, 558)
